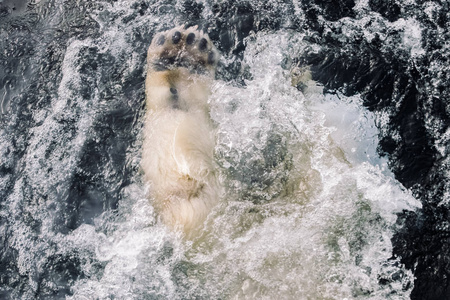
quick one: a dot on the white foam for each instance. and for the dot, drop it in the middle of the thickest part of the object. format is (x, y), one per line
(327, 236)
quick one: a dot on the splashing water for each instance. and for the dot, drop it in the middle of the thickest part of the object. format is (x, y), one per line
(308, 210)
(299, 220)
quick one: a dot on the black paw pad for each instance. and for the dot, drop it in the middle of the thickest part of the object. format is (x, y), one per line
(161, 39)
(176, 37)
(190, 39)
(211, 58)
(203, 44)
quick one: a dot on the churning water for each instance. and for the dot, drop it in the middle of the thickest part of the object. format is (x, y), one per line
(312, 206)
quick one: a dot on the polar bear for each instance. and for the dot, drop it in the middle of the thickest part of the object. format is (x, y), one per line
(178, 147)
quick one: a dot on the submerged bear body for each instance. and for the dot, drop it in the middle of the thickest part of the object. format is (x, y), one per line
(178, 148)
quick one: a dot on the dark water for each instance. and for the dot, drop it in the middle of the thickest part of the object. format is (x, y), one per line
(71, 95)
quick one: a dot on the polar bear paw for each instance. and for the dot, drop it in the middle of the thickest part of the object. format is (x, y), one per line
(182, 48)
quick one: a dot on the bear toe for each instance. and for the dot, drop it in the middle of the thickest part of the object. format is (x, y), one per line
(203, 45)
(178, 47)
(190, 39)
(160, 40)
(176, 37)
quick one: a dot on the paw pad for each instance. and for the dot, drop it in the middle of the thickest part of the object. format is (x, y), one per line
(179, 47)
(176, 37)
(190, 39)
